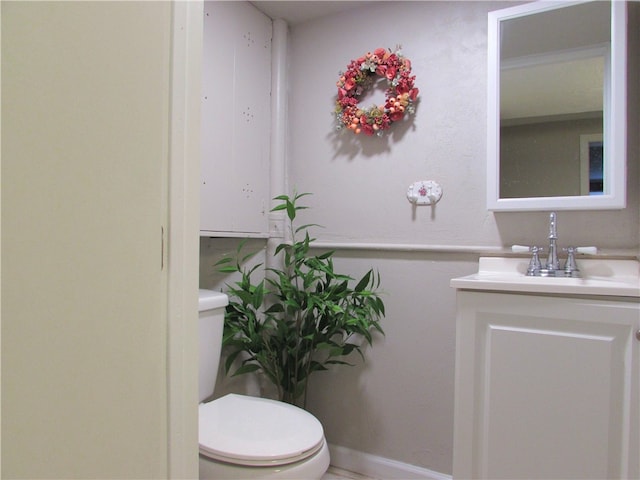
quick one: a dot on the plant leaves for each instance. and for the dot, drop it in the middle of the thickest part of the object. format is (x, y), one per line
(364, 281)
(277, 208)
(247, 368)
(296, 319)
(308, 225)
(228, 269)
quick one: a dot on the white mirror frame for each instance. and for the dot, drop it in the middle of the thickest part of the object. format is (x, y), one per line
(615, 120)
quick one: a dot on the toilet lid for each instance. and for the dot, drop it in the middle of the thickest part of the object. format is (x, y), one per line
(257, 431)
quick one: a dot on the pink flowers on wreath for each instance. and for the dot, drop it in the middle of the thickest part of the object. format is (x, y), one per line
(360, 75)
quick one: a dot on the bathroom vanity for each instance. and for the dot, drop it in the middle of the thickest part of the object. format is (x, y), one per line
(547, 372)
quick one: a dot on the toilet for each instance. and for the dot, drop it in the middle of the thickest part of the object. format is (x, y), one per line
(244, 437)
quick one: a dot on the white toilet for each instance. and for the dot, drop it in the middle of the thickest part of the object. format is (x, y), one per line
(243, 437)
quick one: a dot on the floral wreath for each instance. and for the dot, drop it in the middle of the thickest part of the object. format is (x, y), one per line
(360, 75)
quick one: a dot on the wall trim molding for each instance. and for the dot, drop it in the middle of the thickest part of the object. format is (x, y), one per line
(408, 247)
(380, 467)
(482, 250)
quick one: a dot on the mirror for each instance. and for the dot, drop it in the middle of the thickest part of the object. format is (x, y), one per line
(557, 106)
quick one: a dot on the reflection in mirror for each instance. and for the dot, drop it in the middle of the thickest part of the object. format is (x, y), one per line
(557, 106)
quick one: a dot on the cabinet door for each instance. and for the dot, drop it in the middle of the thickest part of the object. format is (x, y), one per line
(236, 120)
(546, 387)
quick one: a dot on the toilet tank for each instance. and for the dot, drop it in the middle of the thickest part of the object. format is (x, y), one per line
(211, 307)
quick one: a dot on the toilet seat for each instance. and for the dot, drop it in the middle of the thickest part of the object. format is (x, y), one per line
(253, 431)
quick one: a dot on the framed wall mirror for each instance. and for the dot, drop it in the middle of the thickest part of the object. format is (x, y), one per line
(557, 106)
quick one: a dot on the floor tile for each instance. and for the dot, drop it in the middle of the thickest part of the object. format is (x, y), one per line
(338, 474)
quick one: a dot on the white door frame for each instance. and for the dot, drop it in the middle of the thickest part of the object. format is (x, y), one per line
(183, 239)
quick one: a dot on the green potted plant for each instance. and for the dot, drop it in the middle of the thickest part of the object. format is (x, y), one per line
(299, 318)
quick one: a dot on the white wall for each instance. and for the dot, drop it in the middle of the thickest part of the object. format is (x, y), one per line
(360, 182)
(399, 404)
(85, 116)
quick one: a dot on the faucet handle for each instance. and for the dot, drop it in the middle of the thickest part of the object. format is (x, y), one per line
(533, 270)
(586, 250)
(570, 266)
(521, 249)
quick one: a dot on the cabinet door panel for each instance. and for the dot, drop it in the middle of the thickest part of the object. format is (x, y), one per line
(550, 397)
(236, 120)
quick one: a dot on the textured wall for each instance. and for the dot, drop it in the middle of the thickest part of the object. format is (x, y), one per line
(400, 403)
(360, 182)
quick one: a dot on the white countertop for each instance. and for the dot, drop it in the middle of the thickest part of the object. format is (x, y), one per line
(619, 278)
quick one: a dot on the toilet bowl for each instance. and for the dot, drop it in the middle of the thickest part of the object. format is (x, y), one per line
(244, 437)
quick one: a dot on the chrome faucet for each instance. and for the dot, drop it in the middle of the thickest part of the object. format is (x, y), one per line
(552, 267)
(553, 264)
(533, 270)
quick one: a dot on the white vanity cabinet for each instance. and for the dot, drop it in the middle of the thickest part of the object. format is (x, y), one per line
(547, 385)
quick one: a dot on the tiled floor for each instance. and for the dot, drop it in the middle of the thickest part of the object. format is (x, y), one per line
(337, 474)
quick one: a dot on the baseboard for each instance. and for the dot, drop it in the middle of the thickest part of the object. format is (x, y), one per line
(380, 467)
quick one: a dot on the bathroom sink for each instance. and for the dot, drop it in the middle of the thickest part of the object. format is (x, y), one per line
(598, 277)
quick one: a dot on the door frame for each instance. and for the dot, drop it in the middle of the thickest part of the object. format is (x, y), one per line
(182, 239)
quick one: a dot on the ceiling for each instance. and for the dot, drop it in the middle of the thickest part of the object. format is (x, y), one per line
(295, 12)
(562, 88)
